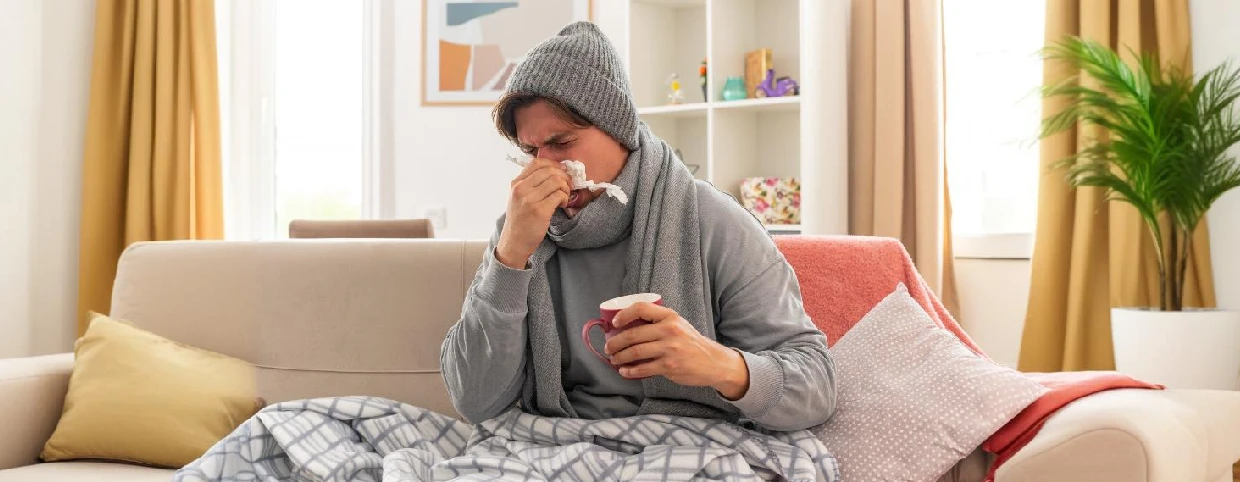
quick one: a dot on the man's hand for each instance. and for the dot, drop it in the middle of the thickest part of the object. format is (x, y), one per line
(540, 188)
(669, 346)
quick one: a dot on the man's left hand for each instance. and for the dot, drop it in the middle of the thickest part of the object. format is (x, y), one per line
(670, 347)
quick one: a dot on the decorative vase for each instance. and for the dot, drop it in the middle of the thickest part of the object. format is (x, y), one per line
(734, 89)
(1194, 348)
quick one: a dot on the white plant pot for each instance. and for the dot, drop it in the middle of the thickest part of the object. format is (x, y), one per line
(1179, 349)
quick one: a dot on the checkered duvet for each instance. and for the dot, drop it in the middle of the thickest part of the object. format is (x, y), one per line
(375, 439)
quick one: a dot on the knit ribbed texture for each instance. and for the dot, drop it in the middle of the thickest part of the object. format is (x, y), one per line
(766, 385)
(665, 257)
(501, 283)
(581, 68)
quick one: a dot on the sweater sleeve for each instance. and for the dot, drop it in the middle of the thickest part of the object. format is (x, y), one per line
(792, 382)
(483, 356)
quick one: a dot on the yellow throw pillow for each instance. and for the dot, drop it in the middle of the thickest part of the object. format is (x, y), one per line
(138, 397)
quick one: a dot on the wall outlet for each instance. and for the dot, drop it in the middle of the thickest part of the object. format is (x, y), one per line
(438, 217)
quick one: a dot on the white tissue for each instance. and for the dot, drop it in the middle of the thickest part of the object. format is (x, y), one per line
(577, 171)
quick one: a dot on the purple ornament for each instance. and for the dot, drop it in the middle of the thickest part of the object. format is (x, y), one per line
(772, 87)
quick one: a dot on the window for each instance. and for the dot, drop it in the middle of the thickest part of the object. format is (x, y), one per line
(318, 109)
(296, 105)
(993, 72)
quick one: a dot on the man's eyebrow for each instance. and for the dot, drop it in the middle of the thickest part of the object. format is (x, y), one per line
(551, 139)
(557, 137)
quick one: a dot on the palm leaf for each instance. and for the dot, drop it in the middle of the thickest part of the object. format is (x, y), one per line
(1162, 138)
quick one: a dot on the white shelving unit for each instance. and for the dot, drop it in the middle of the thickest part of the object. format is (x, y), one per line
(729, 140)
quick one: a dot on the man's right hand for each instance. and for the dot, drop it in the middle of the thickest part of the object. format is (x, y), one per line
(537, 191)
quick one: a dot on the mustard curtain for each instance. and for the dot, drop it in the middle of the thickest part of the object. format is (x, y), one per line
(897, 185)
(1090, 255)
(151, 169)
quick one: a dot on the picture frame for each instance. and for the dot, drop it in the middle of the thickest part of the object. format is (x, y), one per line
(469, 47)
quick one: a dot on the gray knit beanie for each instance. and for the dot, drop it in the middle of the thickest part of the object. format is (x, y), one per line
(581, 68)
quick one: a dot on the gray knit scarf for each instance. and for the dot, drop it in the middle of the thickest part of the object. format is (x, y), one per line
(665, 257)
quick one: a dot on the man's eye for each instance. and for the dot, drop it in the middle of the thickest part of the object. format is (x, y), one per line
(528, 150)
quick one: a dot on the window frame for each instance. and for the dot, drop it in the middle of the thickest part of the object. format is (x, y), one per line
(992, 246)
(988, 245)
(246, 52)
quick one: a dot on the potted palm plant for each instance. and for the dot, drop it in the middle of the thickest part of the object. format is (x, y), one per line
(1161, 146)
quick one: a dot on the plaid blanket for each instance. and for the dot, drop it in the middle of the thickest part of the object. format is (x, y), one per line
(363, 438)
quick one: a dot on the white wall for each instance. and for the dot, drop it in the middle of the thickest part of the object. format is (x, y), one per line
(44, 80)
(19, 58)
(452, 157)
(1215, 40)
(993, 296)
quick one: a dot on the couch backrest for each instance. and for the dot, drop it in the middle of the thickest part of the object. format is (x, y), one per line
(367, 317)
(316, 317)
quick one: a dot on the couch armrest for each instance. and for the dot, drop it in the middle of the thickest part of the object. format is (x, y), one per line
(32, 394)
(1125, 435)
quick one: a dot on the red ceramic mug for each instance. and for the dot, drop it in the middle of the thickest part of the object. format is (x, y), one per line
(608, 310)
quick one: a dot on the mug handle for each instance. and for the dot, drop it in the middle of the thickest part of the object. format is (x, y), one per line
(585, 337)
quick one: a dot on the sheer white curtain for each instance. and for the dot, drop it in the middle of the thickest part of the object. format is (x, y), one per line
(303, 112)
(992, 73)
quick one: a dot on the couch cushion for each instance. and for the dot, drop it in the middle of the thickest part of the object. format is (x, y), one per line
(137, 397)
(85, 472)
(913, 399)
(1220, 416)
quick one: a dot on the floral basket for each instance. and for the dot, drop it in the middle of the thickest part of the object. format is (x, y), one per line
(774, 200)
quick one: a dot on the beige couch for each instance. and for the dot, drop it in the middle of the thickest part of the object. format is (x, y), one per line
(321, 318)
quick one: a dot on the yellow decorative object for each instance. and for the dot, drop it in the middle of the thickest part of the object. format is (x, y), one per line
(676, 96)
(757, 62)
(137, 397)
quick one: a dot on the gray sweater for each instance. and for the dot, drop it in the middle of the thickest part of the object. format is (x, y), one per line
(755, 295)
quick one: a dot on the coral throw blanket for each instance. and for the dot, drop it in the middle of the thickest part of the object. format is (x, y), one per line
(843, 277)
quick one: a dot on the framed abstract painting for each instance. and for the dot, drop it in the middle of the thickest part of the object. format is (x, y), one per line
(470, 47)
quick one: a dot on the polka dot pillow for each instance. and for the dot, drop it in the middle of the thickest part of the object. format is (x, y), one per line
(913, 400)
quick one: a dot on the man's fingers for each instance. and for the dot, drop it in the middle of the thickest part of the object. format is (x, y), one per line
(556, 169)
(567, 187)
(640, 352)
(645, 370)
(537, 165)
(525, 173)
(537, 187)
(553, 200)
(635, 336)
(548, 186)
(538, 176)
(642, 311)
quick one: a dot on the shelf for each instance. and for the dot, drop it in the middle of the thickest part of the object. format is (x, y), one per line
(730, 140)
(663, 41)
(783, 228)
(697, 109)
(674, 3)
(768, 104)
